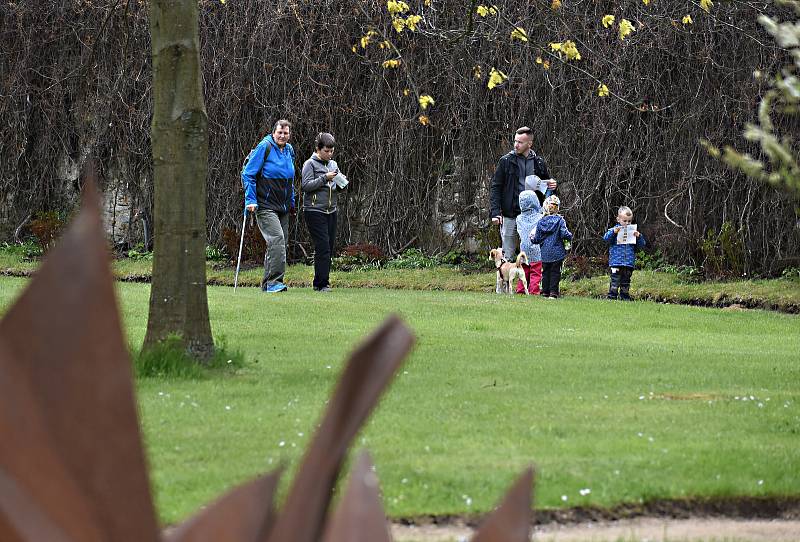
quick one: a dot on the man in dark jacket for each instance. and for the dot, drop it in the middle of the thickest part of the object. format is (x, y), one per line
(509, 180)
(267, 178)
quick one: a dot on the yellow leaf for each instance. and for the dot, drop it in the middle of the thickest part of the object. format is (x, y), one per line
(569, 49)
(354, 48)
(427, 3)
(424, 120)
(687, 19)
(406, 92)
(496, 77)
(538, 60)
(366, 39)
(602, 90)
(476, 71)
(483, 11)
(412, 21)
(546, 64)
(425, 100)
(625, 28)
(608, 21)
(646, 2)
(555, 5)
(396, 6)
(519, 34)
(398, 24)
(392, 63)
(706, 5)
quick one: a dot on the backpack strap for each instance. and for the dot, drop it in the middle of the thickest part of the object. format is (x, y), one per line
(266, 155)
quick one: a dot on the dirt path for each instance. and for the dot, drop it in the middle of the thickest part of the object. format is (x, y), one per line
(629, 530)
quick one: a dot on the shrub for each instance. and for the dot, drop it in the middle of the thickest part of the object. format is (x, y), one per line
(359, 257)
(723, 253)
(791, 273)
(650, 261)
(581, 267)
(214, 254)
(454, 257)
(413, 258)
(26, 250)
(47, 228)
(253, 247)
(140, 253)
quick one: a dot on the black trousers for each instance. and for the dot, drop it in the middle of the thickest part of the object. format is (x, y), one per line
(551, 276)
(322, 227)
(620, 283)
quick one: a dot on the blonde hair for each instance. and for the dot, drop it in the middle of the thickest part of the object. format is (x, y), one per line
(624, 210)
(553, 201)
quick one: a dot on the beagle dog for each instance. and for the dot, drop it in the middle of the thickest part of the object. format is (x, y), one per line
(507, 271)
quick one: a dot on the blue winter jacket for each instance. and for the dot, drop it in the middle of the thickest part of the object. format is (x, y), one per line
(269, 183)
(551, 231)
(622, 255)
(526, 222)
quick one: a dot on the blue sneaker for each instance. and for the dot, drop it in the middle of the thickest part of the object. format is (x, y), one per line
(276, 287)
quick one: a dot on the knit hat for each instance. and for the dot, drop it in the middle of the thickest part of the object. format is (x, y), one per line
(551, 200)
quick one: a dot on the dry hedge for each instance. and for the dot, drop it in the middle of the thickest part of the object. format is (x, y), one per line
(76, 80)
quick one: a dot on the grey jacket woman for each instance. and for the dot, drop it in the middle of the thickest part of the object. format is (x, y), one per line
(319, 194)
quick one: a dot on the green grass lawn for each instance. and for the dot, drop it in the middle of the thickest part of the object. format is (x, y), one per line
(632, 401)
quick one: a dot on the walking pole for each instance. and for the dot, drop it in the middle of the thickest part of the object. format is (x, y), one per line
(239, 259)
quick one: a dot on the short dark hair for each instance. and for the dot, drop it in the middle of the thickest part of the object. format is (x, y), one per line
(525, 130)
(324, 139)
(280, 123)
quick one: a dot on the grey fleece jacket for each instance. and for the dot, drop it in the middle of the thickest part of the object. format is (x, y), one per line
(319, 194)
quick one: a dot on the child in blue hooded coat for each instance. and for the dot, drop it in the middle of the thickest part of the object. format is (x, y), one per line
(526, 223)
(622, 257)
(551, 232)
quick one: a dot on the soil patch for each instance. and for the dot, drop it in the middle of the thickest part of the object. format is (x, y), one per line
(728, 518)
(650, 529)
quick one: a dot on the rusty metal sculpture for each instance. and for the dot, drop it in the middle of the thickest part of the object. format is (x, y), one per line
(72, 467)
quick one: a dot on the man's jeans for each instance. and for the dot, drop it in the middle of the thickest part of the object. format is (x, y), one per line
(275, 230)
(508, 233)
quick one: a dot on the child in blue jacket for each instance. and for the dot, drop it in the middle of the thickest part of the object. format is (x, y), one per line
(622, 257)
(550, 234)
(526, 224)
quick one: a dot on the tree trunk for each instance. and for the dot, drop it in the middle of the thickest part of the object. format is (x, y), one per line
(179, 140)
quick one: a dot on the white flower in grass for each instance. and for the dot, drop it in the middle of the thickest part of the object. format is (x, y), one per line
(584, 491)
(281, 444)
(761, 482)
(564, 498)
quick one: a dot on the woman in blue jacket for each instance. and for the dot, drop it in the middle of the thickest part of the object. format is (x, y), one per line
(268, 180)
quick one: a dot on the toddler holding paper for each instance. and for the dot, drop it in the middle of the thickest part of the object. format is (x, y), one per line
(623, 239)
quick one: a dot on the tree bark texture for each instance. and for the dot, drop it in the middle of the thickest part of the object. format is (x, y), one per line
(179, 140)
